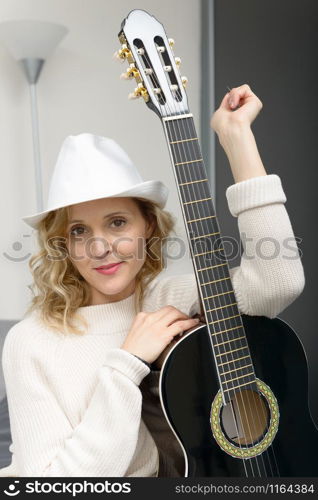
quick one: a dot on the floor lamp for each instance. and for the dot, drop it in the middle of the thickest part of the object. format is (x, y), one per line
(30, 43)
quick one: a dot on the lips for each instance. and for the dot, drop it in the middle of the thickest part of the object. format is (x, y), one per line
(108, 266)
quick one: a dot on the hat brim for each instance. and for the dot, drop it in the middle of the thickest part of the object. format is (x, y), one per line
(151, 190)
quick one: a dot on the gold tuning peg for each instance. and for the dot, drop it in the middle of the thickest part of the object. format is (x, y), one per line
(133, 95)
(123, 53)
(184, 81)
(131, 72)
(117, 57)
(171, 42)
(139, 91)
(177, 61)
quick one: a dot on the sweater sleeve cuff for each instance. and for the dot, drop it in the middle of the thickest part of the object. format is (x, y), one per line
(126, 363)
(255, 192)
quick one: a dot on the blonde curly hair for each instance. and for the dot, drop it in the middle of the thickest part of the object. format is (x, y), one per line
(59, 289)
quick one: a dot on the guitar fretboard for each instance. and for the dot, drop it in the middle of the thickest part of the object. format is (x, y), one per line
(232, 357)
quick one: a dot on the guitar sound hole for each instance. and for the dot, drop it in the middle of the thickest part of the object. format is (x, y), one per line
(245, 419)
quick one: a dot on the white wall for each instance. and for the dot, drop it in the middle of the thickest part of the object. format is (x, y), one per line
(80, 91)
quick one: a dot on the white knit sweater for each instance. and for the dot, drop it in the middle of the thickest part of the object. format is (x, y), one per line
(75, 402)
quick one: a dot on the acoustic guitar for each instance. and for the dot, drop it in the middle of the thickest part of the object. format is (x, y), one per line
(234, 389)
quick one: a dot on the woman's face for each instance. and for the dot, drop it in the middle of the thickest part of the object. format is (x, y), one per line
(102, 232)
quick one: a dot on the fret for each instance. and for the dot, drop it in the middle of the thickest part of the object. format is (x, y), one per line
(222, 307)
(200, 231)
(186, 162)
(185, 140)
(234, 334)
(233, 350)
(187, 152)
(218, 294)
(192, 182)
(206, 253)
(211, 267)
(210, 251)
(227, 330)
(217, 322)
(236, 378)
(231, 354)
(226, 353)
(215, 281)
(195, 211)
(209, 234)
(227, 341)
(202, 218)
(189, 173)
(233, 360)
(177, 117)
(236, 369)
(215, 286)
(236, 387)
(223, 319)
(197, 201)
(204, 258)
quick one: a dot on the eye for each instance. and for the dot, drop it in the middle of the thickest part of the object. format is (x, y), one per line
(73, 231)
(118, 220)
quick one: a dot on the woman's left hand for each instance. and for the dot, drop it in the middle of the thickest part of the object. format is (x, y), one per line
(248, 105)
(157, 364)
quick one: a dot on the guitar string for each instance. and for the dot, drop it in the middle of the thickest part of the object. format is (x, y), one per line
(217, 320)
(236, 342)
(173, 127)
(234, 420)
(253, 393)
(185, 208)
(187, 122)
(240, 343)
(233, 340)
(218, 275)
(271, 447)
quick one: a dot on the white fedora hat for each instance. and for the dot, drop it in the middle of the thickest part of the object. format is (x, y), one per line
(90, 167)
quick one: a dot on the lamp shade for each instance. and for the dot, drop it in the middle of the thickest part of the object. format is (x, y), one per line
(31, 39)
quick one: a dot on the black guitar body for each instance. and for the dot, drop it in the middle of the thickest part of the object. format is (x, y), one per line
(188, 385)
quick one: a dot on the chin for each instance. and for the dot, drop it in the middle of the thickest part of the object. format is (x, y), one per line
(111, 289)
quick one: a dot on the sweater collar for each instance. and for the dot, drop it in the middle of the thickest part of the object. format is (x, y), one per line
(104, 319)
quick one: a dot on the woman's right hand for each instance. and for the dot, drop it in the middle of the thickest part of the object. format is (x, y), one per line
(226, 119)
(152, 332)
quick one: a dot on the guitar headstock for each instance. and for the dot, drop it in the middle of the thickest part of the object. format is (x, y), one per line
(148, 51)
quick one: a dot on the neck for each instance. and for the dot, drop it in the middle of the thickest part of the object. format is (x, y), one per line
(98, 298)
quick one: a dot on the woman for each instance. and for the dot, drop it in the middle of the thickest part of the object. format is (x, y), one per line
(84, 402)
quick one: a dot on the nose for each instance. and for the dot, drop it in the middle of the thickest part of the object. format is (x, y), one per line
(98, 248)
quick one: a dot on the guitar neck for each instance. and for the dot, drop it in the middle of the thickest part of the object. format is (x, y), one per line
(229, 343)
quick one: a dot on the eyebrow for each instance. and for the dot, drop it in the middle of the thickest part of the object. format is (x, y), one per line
(105, 216)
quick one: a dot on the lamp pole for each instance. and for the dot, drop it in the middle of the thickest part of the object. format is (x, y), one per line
(30, 43)
(32, 68)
